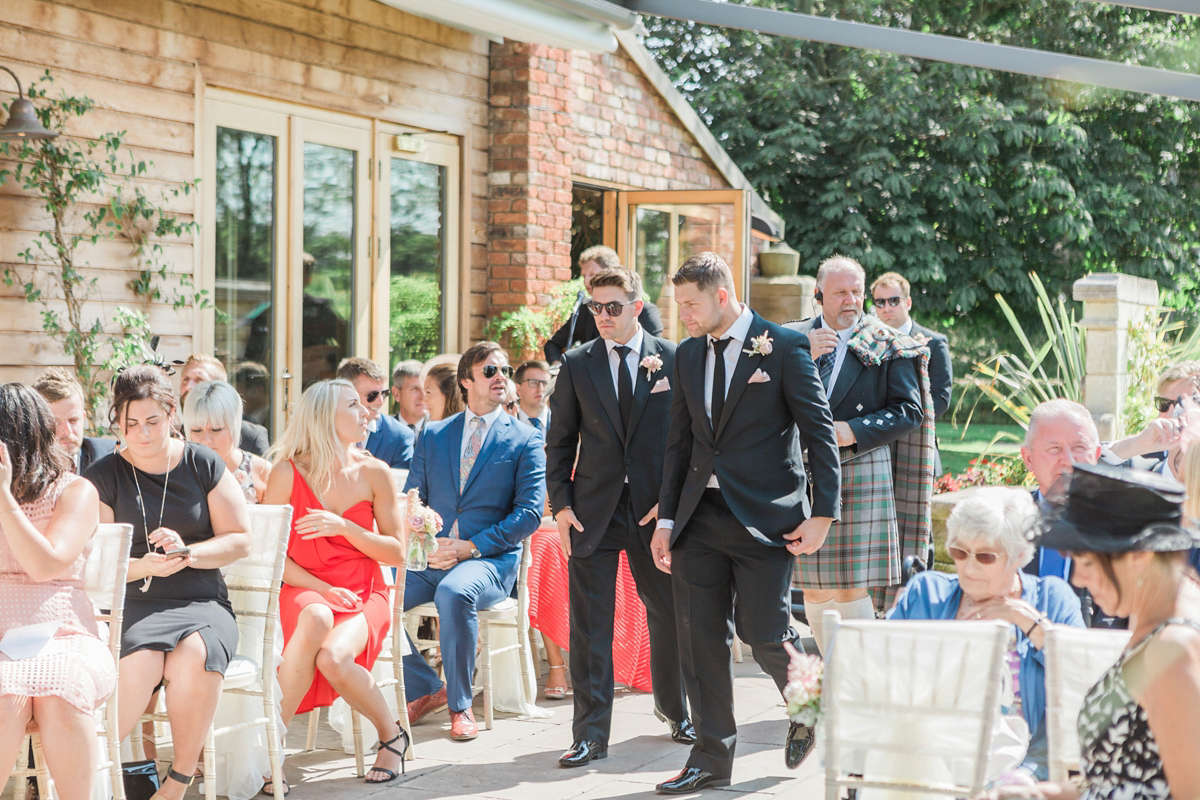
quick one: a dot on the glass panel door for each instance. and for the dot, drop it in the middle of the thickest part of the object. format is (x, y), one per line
(658, 231)
(246, 239)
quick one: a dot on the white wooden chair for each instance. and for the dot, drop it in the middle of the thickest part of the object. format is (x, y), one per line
(254, 583)
(1075, 660)
(508, 613)
(911, 706)
(104, 582)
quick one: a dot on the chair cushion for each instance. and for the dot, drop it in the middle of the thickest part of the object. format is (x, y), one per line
(240, 673)
(505, 609)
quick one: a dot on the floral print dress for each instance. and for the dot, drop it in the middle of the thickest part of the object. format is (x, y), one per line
(1119, 753)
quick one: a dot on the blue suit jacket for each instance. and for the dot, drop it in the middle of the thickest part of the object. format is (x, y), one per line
(392, 442)
(505, 493)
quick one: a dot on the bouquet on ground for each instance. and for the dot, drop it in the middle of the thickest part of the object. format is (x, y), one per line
(803, 690)
(424, 524)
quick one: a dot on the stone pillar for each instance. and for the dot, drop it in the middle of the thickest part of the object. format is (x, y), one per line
(1110, 303)
(783, 299)
(529, 175)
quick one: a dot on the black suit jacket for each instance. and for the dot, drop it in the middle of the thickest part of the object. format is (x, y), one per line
(253, 438)
(580, 328)
(584, 415)
(92, 450)
(755, 451)
(941, 373)
(880, 404)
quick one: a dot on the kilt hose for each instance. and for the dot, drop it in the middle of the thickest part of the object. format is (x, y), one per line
(863, 547)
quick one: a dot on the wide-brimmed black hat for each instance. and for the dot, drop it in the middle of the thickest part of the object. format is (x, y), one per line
(1112, 510)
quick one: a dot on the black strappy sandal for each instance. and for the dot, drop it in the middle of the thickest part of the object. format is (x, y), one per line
(269, 787)
(178, 777)
(391, 776)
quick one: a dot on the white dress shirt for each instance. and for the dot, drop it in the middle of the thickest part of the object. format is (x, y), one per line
(737, 333)
(542, 418)
(839, 356)
(469, 427)
(906, 328)
(631, 360)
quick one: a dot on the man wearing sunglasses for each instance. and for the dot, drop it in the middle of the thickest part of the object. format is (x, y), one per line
(484, 472)
(892, 298)
(580, 327)
(389, 440)
(612, 405)
(1155, 446)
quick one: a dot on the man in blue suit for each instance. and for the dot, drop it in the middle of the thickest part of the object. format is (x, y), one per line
(389, 440)
(484, 472)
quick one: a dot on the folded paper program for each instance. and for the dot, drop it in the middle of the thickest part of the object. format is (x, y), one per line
(28, 641)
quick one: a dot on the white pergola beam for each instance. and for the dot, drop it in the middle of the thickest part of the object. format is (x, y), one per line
(935, 47)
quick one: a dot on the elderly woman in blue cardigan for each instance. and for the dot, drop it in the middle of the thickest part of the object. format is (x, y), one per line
(985, 535)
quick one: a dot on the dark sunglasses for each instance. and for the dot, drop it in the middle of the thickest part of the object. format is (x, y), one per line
(614, 308)
(491, 369)
(987, 559)
(886, 301)
(1164, 404)
(373, 396)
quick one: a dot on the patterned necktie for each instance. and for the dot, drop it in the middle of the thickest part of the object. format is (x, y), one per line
(624, 386)
(468, 461)
(535, 422)
(717, 403)
(825, 367)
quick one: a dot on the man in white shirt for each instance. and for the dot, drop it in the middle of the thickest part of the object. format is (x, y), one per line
(409, 396)
(533, 381)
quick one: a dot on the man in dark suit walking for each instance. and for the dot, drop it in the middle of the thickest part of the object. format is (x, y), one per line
(612, 405)
(64, 395)
(872, 378)
(580, 328)
(734, 505)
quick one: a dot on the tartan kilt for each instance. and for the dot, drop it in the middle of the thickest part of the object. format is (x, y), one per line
(863, 548)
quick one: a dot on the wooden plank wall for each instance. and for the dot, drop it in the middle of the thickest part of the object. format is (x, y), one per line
(142, 61)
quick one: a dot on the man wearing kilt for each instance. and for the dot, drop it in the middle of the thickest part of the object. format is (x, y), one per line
(734, 505)
(877, 383)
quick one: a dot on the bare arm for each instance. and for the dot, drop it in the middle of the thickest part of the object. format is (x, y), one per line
(230, 527)
(72, 524)
(388, 543)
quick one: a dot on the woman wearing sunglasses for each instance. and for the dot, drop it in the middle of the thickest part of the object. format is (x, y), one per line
(985, 535)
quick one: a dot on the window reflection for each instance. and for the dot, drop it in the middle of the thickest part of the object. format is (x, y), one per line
(418, 254)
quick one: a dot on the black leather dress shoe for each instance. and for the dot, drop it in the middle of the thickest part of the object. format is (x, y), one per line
(583, 753)
(800, 741)
(692, 779)
(683, 732)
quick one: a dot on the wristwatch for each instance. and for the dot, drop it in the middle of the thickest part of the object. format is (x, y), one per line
(475, 552)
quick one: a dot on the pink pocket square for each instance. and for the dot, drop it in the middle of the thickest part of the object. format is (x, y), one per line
(663, 385)
(759, 377)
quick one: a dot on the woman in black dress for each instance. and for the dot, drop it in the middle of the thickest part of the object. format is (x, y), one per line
(189, 519)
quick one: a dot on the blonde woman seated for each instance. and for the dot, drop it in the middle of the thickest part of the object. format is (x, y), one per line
(986, 537)
(212, 416)
(334, 604)
(189, 520)
(47, 519)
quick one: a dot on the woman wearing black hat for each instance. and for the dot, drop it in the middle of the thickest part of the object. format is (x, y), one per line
(1139, 729)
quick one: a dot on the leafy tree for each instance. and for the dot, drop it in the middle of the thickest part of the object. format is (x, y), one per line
(963, 179)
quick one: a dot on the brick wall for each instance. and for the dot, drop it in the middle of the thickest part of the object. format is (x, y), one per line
(555, 116)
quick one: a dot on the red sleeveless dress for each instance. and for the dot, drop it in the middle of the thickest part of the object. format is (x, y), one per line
(336, 561)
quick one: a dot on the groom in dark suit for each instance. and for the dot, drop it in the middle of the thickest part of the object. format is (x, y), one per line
(612, 405)
(734, 505)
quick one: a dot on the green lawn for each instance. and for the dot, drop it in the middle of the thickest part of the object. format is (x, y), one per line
(957, 450)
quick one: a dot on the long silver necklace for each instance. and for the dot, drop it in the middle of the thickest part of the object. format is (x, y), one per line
(161, 509)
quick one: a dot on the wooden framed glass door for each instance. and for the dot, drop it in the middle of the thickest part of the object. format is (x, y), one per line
(657, 231)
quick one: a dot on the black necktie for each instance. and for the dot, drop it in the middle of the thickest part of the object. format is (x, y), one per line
(717, 402)
(624, 386)
(825, 367)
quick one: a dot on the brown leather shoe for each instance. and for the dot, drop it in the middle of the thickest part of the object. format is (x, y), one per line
(462, 726)
(424, 706)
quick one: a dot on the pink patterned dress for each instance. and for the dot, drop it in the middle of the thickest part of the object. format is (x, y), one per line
(76, 666)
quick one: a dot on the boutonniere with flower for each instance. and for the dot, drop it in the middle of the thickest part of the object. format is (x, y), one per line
(424, 524)
(652, 364)
(760, 346)
(803, 690)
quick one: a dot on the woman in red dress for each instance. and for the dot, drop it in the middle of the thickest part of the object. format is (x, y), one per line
(334, 603)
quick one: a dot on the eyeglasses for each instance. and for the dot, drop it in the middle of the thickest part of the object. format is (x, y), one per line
(1163, 404)
(491, 369)
(987, 559)
(536, 383)
(373, 396)
(614, 308)
(887, 301)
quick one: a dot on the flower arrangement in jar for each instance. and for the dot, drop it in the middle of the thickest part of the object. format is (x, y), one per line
(424, 524)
